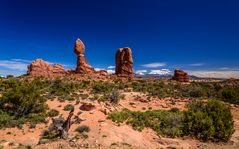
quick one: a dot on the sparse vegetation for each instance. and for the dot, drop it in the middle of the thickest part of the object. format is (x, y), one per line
(207, 121)
(163, 122)
(83, 128)
(20, 103)
(195, 90)
(68, 107)
(212, 120)
(115, 96)
(23, 101)
(53, 113)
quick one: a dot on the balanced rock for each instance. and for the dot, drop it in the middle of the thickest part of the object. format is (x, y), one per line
(180, 76)
(82, 64)
(40, 68)
(124, 63)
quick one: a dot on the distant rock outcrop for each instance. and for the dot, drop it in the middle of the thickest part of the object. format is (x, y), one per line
(82, 64)
(40, 68)
(103, 72)
(124, 63)
(180, 76)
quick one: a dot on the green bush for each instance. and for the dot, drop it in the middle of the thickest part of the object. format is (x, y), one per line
(22, 100)
(230, 94)
(212, 120)
(5, 119)
(68, 107)
(102, 87)
(53, 113)
(60, 88)
(163, 122)
(206, 121)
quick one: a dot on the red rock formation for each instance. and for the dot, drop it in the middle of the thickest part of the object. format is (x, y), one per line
(82, 64)
(40, 68)
(58, 68)
(103, 72)
(124, 63)
(180, 76)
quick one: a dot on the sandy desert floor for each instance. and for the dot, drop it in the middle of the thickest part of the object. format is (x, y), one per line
(106, 134)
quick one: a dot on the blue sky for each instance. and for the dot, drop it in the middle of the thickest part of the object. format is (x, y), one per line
(199, 36)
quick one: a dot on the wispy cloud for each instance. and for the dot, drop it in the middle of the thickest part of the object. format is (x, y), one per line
(111, 67)
(14, 64)
(197, 64)
(22, 60)
(160, 72)
(141, 72)
(154, 65)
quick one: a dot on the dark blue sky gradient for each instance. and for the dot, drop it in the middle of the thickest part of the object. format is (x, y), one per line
(178, 32)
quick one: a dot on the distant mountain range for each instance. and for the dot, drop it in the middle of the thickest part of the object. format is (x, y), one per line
(169, 76)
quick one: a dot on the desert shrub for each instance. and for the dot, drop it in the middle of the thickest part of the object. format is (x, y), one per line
(84, 96)
(9, 83)
(53, 113)
(83, 84)
(207, 121)
(154, 88)
(195, 90)
(102, 87)
(82, 129)
(212, 120)
(5, 119)
(60, 88)
(230, 94)
(163, 122)
(9, 76)
(32, 125)
(114, 96)
(68, 107)
(22, 100)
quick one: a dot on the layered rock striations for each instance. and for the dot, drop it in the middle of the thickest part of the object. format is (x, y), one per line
(41, 68)
(180, 76)
(124, 63)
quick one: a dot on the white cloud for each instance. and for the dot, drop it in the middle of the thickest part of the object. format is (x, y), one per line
(22, 60)
(14, 64)
(141, 72)
(110, 71)
(160, 72)
(4, 72)
(214, 74)
(196, 64)
(98, 69)
(111, 67)
(154, 65)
